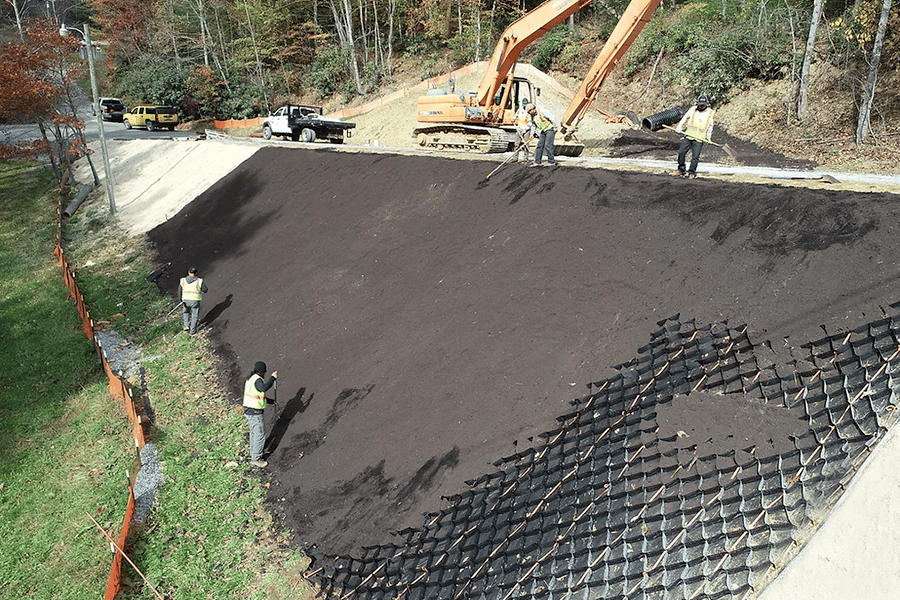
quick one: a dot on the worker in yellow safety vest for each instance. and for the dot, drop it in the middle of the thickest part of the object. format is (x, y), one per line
(255, 401)
(523, 130)
(697, 127)
(191, 290)
(543, 125)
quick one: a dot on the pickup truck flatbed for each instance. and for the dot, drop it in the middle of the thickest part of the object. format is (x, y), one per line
(303, 122)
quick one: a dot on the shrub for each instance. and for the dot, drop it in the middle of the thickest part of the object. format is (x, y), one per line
(153, 80)
(550, 47)
(328, 71)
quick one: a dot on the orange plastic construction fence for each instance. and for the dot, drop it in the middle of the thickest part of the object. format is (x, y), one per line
(120, 389)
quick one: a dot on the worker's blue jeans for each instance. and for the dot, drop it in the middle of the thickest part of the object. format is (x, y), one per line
(695, 147)
(545, 144)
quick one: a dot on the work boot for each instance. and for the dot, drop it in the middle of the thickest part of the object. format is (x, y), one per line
(259, 463)
(692, 175)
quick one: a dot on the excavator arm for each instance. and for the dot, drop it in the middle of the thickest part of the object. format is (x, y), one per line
(516, 38)
(627, 29)
(482, 120)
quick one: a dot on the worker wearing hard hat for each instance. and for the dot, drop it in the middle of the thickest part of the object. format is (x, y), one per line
(543, 125)
(523, 127)
(697, 127)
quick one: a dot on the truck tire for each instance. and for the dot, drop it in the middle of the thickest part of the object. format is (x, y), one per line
(151, 126)
(267, 132)
(127, 123)
(308, 135)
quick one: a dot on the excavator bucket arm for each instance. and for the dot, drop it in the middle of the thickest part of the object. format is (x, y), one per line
(636, 15)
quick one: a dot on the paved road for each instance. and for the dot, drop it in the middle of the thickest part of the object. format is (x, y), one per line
(16, 134)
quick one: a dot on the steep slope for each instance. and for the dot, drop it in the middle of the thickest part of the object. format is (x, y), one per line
(426, 322)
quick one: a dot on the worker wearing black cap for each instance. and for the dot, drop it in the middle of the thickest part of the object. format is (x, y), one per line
(697, 127)
(191, 290)
(255, 401)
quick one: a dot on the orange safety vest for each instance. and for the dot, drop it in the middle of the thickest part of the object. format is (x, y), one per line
(253, 398)
(698, 123)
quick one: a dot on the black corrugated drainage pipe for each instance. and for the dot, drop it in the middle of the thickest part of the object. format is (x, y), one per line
(667, 117)
(74, 204)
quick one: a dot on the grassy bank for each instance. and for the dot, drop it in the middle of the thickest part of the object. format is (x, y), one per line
(64, 452)
(66, 444)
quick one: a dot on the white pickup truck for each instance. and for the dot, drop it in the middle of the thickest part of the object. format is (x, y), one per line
(305, 123)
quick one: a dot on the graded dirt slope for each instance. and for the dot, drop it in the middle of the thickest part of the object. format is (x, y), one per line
(425, 322)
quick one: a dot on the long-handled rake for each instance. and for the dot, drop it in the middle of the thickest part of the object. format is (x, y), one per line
(177, 306)
(515, 153)
(725, 147)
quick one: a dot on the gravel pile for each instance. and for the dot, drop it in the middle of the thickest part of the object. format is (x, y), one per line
(125, 359)
(148, 479)
(123, 356)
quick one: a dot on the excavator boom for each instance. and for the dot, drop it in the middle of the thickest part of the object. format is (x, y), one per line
(516, 38)
(627, 29)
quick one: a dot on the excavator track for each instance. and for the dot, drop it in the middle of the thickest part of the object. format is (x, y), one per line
(466, 138)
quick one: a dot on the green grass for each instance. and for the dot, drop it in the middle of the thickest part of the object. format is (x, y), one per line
(63, 453)
(66, 444)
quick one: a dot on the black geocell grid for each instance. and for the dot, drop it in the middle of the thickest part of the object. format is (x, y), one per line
(598, 511)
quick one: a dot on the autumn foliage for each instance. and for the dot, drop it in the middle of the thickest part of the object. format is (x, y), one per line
(36, 86)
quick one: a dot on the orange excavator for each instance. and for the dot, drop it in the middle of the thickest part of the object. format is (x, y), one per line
(483, 120)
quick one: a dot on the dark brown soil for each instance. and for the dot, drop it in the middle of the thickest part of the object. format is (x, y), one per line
(426, 322)
(663, 145)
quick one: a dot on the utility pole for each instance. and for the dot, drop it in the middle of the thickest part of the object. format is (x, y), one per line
(96, 103)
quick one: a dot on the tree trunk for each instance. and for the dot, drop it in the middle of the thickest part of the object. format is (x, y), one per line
(477, 31)
(862, 125)
(262, 83)
(343, 22)
(378, 51)
(807, 58)
(17, 10)
(362, 33)
(390, 40)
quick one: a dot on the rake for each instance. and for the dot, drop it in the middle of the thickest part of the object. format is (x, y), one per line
(515, 153)
(724, 147)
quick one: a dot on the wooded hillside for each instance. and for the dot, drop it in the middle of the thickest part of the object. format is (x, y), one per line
(242, 58)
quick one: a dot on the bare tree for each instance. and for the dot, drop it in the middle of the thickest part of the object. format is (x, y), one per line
(807, 58)
(18, 7)
(343, 22)
(862, 124)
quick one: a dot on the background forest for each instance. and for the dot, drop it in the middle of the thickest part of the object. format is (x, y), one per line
(242, 58)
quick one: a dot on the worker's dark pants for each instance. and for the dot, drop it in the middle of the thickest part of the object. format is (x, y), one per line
(695, 147)
(545, 144)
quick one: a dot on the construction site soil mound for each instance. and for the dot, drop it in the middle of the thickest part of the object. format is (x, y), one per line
(426, 321)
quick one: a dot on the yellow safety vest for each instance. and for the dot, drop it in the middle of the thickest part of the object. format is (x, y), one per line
(541, 122)
(191, 291)
(523, 120)
(698, 123)
(253, 398)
